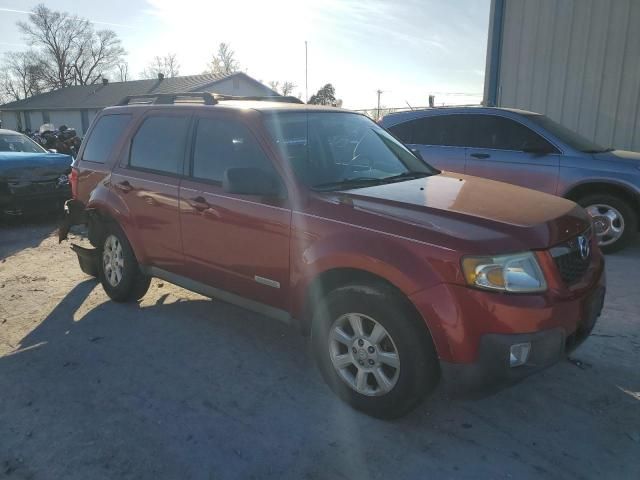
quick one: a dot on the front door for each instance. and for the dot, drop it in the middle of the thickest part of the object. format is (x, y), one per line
(503, 149)
(237, 243)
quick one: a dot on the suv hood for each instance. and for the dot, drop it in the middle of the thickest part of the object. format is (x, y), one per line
(475, 214)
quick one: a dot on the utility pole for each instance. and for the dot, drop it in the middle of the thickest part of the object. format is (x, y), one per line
(379, 92)
(306, 74)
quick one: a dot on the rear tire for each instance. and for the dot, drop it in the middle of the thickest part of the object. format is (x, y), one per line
(389, 366)
(615, 222)
(120, 274)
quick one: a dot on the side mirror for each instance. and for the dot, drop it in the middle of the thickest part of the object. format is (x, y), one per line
(251, 181)
(52, 150)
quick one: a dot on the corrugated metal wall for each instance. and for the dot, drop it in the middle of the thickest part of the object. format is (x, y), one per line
(578, 61)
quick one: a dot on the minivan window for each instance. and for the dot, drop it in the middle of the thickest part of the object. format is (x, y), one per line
(223, 143)
(441, 130)
(159, 144)
(104, 136)
(332, 151)
(500, 133)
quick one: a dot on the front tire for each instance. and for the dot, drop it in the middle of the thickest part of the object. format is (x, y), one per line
(615, 223)
(373, 351)
(120, 273)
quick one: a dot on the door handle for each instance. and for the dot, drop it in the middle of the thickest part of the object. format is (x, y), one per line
(124, 186)
(480, 155)
(199, 203)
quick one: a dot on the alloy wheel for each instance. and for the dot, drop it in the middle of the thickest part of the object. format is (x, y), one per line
(364, 354)
(112, 260)
(608, 223)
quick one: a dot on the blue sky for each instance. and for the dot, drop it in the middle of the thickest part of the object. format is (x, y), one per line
(407, 48)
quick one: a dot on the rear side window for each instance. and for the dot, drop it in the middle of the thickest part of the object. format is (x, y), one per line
(104, 136)
(500, 133)
(222, 144)
(159, 144)
(403, 131)
(440, 130)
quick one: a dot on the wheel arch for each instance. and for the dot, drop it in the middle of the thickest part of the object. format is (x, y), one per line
(609, 188)
(331, 279)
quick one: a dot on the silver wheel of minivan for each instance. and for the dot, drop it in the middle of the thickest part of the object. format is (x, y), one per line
(364, 354)
(608, 223)
(112, 260)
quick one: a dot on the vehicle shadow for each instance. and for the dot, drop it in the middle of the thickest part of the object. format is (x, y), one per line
(202, 389)
(18, 233)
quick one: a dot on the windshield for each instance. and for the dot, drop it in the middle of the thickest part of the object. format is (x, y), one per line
(566, 135)
(330, 151)
(19, 143)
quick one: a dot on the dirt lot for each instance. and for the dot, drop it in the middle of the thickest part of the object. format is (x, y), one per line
(181, 386)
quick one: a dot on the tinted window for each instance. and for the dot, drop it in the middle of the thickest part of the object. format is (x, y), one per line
(104, 136)
(159, 144)
(444, 130)
(492, 131)
(222, 144)
(403, 131)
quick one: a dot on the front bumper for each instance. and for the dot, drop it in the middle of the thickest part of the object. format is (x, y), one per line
(38, 203)
(474, 330)
(491, 371)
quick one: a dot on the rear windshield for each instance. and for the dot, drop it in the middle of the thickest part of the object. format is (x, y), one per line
(566, 135)
(332, 147)
(19, 143)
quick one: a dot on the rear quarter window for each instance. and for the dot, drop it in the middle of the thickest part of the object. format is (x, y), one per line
(106, 133)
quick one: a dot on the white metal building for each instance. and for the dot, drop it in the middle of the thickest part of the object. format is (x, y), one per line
(577, 61)
(77, 106)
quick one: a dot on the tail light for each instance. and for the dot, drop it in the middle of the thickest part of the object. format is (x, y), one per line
(73, 179)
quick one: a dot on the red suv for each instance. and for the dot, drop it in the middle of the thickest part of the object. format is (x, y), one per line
(317, 216)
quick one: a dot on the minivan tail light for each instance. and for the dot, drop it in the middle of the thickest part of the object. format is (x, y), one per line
(73, 179)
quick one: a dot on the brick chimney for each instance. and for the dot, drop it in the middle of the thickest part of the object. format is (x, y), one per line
(105, 81)
(160, 76)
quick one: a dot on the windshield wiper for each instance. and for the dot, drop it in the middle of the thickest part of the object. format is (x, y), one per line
(358, 182)
(405, 176)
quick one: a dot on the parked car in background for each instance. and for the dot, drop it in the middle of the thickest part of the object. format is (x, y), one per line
(319, 217)
(32, 179)
(530, 150)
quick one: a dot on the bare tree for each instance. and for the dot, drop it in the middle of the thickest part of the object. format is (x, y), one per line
(287, 88)
(123, 71)
(224, 61)
(68, 48)
(274, 85)
(167, 65)
(21, 75)
(97, 54)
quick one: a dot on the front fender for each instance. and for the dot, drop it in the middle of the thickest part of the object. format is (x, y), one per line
(406, 265)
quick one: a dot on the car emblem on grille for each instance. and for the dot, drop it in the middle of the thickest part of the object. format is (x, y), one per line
(583, 247)
(63, 180)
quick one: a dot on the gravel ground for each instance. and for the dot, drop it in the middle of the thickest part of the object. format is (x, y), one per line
(181, 386)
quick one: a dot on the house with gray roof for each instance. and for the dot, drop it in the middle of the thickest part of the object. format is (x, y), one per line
(76, 106)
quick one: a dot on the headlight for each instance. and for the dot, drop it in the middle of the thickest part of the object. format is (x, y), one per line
(519, 272)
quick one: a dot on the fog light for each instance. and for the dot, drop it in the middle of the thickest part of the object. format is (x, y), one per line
(519, 354)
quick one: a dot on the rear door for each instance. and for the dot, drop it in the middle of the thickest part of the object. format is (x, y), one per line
(503, 149)
(147, 180)
(438, 138)
(238, 243)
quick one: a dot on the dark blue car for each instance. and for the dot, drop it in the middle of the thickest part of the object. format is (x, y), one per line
(32, 179)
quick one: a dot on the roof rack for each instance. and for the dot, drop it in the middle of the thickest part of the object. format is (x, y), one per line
(205, 98)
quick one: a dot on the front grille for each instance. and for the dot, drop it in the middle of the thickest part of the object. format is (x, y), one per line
(572, 263)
